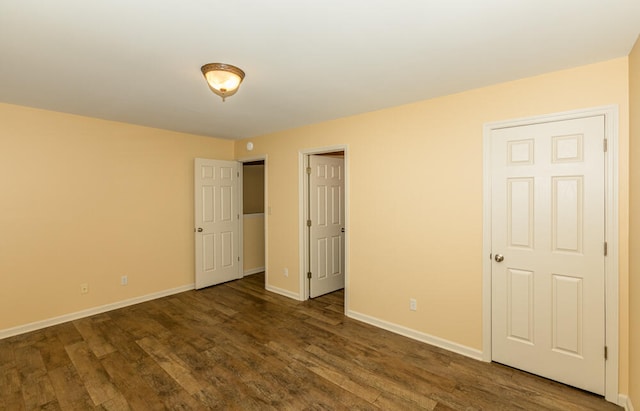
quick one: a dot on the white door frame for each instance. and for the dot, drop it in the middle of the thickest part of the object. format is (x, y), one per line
(249, 159)
(303, 200)
(611, 233)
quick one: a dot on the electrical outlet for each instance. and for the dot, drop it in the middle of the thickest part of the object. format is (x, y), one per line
(285, 272)
(413, 304)
(124, 280)
(84, 288)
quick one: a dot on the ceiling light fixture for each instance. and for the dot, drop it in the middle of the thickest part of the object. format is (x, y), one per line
(223, 79)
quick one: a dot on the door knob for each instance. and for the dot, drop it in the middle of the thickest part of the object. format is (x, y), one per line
(499, 258)
(199, 229)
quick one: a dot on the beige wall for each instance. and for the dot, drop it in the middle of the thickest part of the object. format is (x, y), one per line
(253, 243)
(434, 147)
(634, 237)
(253, 188)
(86, 201)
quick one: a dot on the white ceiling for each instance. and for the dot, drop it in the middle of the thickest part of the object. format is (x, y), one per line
(138, 61)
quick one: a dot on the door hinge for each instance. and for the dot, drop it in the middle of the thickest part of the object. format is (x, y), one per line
(238, 258)
(237, 174)
(605, 352)
(308, 223)
(309, 170)
(605, 248)
(604, 145)
(309, 275)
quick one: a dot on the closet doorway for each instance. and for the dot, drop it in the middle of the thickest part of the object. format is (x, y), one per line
(253, 217)
(324, 212)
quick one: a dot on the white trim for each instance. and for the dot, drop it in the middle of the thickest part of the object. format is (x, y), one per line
(266, 221)
(253, 271)
(611, 233)
(240, 200)
(21, 329)
(486, 243)
(612, 332)
(625, 402)
(283, 292)
(303, 288)
(302, 212)
(250, 159)
(417, 335)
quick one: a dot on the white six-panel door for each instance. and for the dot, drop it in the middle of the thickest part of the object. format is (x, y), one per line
(326, 205)
(217, 222)
(548, 197)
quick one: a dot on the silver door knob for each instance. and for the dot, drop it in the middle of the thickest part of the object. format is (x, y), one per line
(499, 258)
(200, 229)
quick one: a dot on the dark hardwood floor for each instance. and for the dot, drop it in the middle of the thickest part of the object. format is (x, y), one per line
(236, 346)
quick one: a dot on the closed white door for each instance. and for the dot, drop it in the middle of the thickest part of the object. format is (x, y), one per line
(326, 232)
(548, 197)
(217, 222)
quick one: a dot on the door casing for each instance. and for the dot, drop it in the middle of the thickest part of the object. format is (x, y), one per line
(302, 212)
(611, 234)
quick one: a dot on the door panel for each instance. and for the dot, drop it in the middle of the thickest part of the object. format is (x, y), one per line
(567, 314)
(520, 305)
(548, 212)
(216, 221)
(520, 212)
(326, 239)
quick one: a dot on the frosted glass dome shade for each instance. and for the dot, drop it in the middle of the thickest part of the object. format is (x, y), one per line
(223, 79)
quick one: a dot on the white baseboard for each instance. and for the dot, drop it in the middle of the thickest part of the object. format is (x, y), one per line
(253, 271)
(417, 335)
(21, 329)
(625, 402)
(283, 292)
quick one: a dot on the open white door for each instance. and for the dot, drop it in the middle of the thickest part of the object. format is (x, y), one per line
(217, 222)
(326, 230)
(548, 249)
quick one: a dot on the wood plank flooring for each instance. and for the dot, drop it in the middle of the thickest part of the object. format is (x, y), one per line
(238, 347)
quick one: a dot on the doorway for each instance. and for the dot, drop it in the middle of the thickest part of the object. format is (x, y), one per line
(324, 221)
(217, 224)
(550, 281)
(253, 217)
